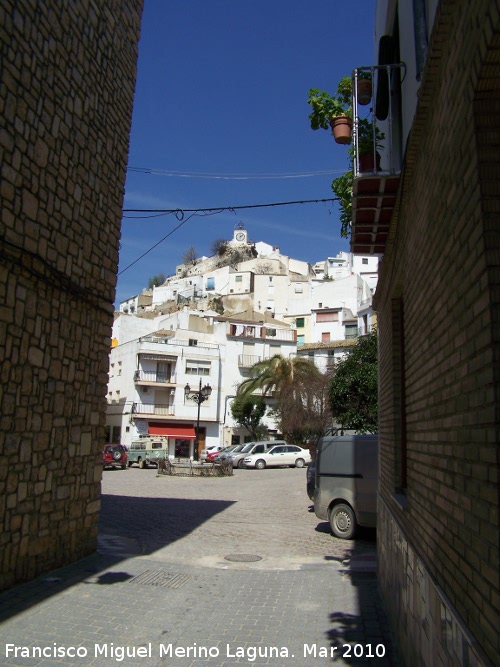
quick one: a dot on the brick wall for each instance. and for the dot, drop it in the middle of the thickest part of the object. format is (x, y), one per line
(442, 264)
(66, 90)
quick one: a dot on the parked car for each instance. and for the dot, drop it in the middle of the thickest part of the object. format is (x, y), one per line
(212, 456)
(254, 447)
(148, 451)
(114, 456)
(280, 455)
(212, 450)
(226, 452)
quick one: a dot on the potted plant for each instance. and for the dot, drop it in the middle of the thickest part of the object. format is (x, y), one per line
(333, 111)
(368, 145)
(364, 86)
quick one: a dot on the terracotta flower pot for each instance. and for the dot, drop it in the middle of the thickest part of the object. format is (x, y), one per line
(368, 163)
(364, 91)
(341, 129)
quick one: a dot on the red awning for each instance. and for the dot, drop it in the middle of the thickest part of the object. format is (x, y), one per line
(180, 431)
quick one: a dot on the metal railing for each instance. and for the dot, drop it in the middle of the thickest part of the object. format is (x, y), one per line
(161, 409)
(165, 340)
(376, 127)
(247, 360)
(154, 376)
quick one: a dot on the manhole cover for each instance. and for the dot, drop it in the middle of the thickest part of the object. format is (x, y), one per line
(243, 558)
(160, 578)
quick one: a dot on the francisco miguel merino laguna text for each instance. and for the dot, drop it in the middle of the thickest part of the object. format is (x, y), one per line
(251, 653)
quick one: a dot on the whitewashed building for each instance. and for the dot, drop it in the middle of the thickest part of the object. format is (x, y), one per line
(148, 374)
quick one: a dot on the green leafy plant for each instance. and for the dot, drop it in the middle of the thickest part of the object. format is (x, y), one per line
(353, 392)
(248, 412)
(342, 188)
(364, 74)
(369, 137)
(325, 106)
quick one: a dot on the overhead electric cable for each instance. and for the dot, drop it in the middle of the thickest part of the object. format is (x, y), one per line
(220, 209)
(229, 177)
(179, 214)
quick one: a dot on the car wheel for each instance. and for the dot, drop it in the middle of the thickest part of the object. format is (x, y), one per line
(117, 455)
(299, 463)
(343, 521)
(124, 467)
(241, 463)
(142, 463)
(260, 464)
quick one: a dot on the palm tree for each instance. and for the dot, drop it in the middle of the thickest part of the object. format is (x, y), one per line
(277, 374)
(301, 409)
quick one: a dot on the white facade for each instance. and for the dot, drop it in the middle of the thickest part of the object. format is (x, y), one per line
(325, 355)
(138, 303)
(265, 281)
(272, 305)
(148, 374)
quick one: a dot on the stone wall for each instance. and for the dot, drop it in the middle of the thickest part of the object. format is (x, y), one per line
(66, 91)
(438, 301)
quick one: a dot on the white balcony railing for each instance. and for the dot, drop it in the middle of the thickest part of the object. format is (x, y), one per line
(154, 377)
(247, 360)
(158, 409)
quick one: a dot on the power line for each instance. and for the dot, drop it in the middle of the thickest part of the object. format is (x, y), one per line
(179, 213)
(229, 177)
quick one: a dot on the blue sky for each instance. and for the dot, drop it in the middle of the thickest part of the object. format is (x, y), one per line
(221, 92)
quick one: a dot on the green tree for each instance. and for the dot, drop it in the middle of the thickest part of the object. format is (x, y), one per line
(353, 389)
(247, 411)
(156, 280)
(300, 395)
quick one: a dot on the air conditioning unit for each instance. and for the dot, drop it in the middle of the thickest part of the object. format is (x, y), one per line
(145, 390)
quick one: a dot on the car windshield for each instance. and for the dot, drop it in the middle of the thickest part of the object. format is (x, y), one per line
(237, 448)
(248, 447)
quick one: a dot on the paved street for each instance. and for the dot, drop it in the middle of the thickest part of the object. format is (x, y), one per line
(204, 571)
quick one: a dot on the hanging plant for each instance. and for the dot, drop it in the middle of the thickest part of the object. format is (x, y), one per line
(364, 87)
(333, 111)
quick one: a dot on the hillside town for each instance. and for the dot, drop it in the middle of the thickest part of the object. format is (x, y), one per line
(101, 563)
(212, 321)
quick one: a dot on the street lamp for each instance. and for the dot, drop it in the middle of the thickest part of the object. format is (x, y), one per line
(199, 396)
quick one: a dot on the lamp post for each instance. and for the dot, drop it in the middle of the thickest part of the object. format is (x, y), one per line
(199, 397)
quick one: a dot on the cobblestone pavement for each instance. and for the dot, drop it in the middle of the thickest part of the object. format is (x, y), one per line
(204, 571)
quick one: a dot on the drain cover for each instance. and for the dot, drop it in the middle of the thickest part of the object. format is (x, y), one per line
(243, 558)
(160, 578)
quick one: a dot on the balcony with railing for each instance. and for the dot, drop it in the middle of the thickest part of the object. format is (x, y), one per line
(247, 360)
(153, 409)
(154, 378)
(166, 347)
(262, 332)
(376, 156)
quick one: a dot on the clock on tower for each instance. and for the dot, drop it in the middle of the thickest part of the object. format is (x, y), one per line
(240, 234)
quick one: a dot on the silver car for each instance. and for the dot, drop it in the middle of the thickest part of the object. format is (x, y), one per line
(227, 453)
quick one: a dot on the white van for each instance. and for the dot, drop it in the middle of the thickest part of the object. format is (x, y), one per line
(346, 481)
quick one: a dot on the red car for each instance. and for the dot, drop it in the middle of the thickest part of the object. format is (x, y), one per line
(114, 456)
